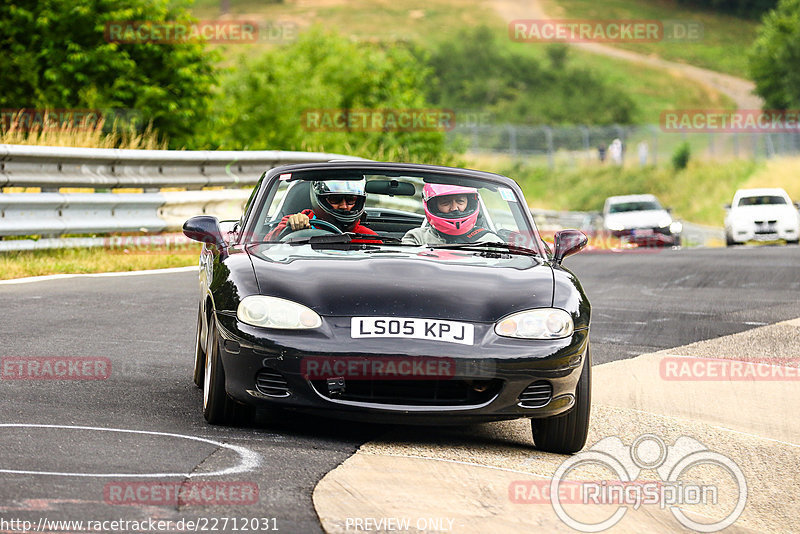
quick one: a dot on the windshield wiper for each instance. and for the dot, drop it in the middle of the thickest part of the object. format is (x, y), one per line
(348, 237)
(488, 244)
(373, 237)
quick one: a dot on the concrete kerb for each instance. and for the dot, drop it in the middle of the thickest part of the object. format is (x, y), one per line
(465, 475)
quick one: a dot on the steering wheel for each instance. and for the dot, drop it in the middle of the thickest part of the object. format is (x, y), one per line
(316, 224)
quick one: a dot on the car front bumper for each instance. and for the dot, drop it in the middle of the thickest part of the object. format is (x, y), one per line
(743, 234)
(652, 237)
(495, 378)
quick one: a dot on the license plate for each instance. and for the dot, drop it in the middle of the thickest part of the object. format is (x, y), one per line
(641, 232)
(412, 328)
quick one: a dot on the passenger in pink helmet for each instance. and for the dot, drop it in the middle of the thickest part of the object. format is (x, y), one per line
(452, 212)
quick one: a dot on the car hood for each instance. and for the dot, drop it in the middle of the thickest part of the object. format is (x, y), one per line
(403, 282)
(638, 219)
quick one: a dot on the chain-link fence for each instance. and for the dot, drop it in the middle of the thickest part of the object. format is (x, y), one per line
(645, 145)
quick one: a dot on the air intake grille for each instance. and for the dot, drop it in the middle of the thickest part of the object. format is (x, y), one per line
(536, 395)
(271, 382)
(415, 392)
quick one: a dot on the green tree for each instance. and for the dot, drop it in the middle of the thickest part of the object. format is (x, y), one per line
(264, 104)
(775, 56)
(476, 72)
(741, 8)
(54, 54)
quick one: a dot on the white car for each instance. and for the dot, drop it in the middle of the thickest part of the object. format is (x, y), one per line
(761, 215)
(642, 220)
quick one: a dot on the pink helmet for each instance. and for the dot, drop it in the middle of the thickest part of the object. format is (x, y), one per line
(456, 222)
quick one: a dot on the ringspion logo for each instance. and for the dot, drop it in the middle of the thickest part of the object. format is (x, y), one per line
(689, 476)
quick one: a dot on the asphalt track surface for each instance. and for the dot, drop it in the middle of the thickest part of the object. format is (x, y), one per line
(642, 301)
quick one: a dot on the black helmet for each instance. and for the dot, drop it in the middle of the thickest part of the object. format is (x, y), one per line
(343, 219)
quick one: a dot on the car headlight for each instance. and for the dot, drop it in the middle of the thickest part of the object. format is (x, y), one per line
(274, 312)
(676, 227)
(542, 323)
(665, 222)
(615, 227)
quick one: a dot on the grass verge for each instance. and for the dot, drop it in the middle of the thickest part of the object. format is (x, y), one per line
(94, 260)
(723, 46)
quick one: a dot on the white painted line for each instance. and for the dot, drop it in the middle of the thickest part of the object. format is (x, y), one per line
(248, 460)
(97, 275)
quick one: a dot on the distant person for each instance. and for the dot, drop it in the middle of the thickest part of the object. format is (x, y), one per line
(601, 152)
(615, 151)
(644, 152)
(452, 213)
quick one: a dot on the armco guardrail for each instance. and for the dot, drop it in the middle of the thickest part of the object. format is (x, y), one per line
(591, 223)
(105, 168)
(52, 214)
(557, 220)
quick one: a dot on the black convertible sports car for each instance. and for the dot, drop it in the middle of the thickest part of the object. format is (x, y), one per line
(405, 293)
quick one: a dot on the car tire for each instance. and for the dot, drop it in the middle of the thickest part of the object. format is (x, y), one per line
(218, 407)
(792, 241)
(729, 242)
(566, 434)
(199, 353)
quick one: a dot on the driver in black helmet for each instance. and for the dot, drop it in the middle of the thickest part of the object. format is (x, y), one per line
(339, 202)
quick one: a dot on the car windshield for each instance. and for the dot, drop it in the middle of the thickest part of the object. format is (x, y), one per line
(761, 200)
(640, 205)
(463, 209)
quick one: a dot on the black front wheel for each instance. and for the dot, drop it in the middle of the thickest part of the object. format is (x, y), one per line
(566, 434)
(218, 407)
(199, 353)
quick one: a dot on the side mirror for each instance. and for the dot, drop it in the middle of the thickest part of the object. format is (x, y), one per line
(568, 242)
(204, 228)
(797, 205)
(726, 206)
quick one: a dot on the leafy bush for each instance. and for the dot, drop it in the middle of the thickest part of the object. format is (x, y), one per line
(741, 8)
(680, 158)
(54, 55)
(264, 103)
(475, 72)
